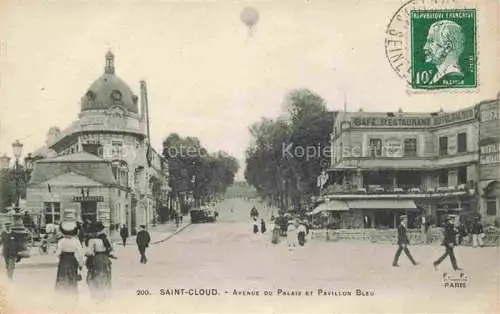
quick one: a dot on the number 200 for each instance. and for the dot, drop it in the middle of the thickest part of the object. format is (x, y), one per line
(142, 292)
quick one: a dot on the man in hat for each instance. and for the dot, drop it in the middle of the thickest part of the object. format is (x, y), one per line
(403, 242)
(449, 242)
(142, 239)
(477, 233)
(11, 248)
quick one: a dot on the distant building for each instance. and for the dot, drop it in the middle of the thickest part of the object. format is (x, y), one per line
(387, 164)
(102, 167)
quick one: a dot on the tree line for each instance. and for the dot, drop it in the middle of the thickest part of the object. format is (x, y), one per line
(286, 155)
(194, 170)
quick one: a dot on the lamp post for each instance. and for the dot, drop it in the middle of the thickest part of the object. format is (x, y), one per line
(17, 149)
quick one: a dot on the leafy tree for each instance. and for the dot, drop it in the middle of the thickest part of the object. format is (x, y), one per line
(193, 169)
(8, 192)
(286, 155)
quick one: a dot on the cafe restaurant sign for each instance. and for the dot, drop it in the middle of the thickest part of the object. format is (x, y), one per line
(413, 121)
(490, 154)
(452, 117)
(391, 122)
(93, 198)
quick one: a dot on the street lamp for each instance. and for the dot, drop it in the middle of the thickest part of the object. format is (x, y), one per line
(4, 162)
(17, 148)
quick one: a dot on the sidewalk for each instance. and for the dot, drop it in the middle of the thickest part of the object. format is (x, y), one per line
(158, 233)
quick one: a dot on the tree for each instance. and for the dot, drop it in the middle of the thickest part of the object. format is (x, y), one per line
(193, 169)
(8, 192)
(286, 155)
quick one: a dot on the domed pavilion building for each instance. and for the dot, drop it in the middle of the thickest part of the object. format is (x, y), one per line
(102, 167)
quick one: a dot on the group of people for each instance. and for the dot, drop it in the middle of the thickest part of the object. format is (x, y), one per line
(451, 233)
(295, 230)
(79, 247)
(94, 252)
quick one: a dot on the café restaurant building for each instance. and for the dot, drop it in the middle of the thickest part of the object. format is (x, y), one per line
(385, 164)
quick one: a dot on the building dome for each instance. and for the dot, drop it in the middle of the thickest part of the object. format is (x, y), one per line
(109, 91)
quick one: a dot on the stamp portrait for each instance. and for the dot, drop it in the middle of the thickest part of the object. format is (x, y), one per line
(443, 49)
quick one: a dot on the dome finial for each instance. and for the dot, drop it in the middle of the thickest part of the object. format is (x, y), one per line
(110, 63)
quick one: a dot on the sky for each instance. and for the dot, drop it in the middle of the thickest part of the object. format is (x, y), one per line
(206, 76)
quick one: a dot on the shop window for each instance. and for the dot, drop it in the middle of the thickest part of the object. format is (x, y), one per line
(410, 147)
(443, 146)
(491, 207)
(462, 175)
(462, 142)
(375, 147)
(52, 212)
(443, 178)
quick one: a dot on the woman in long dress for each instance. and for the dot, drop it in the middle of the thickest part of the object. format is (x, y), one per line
(291, 235)
(71, 259)
(99, 250)
(275, 229)
(255, 225)
(301, 233)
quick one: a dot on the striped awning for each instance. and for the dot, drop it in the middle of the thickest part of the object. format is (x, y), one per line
(330, 206)
(382, 204)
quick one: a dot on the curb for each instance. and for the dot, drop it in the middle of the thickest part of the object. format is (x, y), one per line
(172, 234)
(131, 239)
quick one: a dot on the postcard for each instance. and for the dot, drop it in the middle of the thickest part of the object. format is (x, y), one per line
(265, 156)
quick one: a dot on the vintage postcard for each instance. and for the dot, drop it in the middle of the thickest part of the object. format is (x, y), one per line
(266, 156)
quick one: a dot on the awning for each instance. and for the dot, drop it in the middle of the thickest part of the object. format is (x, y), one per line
(330, 206)
(382, 204)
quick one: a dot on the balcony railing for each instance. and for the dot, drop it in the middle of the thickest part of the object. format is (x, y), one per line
(387, 190)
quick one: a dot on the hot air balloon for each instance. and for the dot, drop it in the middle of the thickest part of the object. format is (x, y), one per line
(249, 16)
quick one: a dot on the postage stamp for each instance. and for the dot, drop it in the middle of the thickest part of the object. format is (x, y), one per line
(434, 45)
(443, 49)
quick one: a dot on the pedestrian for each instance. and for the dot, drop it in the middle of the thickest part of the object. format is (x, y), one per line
(99, 249)
(255, 225)
(142, 239)
(301, 234)
(477, 233)
(10, 250)
(275, 231)
(254, 213)
(291, 237)
(403, 242)
(427, 228)
(124, 234)
(81, 235)
(449, 242)
(262, 226)
(71, 259)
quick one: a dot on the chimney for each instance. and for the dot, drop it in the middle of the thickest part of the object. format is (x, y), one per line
(144, 101)
(145, 109)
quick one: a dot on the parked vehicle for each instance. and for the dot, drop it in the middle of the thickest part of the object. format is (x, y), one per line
(202, 216)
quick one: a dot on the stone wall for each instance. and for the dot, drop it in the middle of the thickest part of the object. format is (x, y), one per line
(389, 236)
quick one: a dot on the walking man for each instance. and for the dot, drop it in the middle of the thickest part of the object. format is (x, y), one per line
(449, 242)
(403, 242)
(10, 250)
(143, 238)
(477, 233)
(124, 234)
